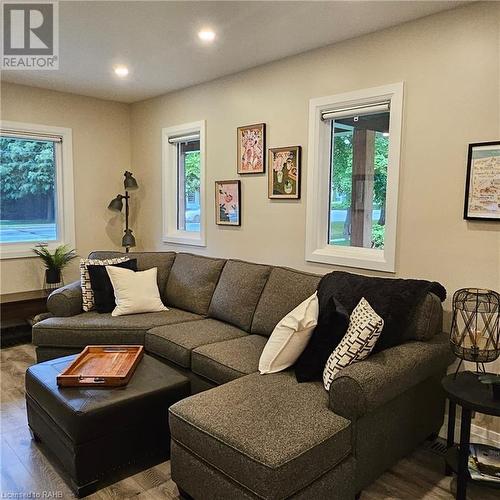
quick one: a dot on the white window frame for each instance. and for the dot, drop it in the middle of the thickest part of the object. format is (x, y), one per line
(171, 233)
(65, 205)
(318, 183)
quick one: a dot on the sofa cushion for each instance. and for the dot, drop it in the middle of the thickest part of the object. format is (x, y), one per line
(192, 281)
(285, 289)
(225, 361)
(175, 342)
(237, 293)
(94, 328)
(289, 438)
(427, 319)
(145, 260)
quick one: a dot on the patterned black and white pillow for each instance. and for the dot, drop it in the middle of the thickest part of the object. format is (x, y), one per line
(87, 293)
(365, 327)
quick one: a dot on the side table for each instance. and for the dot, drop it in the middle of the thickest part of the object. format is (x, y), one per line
(468, 392)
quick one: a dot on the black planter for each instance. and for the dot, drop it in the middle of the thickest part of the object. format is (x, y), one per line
(52, 276)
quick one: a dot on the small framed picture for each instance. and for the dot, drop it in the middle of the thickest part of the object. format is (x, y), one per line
(284, 173)
(251, 147)
(227, 203)
(482, 186)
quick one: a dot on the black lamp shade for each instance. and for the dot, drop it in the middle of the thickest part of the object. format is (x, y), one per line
(116, 204)
(130, 183)
(128, 239)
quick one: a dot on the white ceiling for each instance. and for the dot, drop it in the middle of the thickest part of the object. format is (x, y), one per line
(158, 40)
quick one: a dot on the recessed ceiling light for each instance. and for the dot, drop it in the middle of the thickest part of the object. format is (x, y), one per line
(121, 71)
(206, 35)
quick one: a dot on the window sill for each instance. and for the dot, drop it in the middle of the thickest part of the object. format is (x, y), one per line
(24, 250)
(361, 258)
(185, 238)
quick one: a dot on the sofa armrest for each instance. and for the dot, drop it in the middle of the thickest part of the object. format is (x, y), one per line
(66, 301)
(367, 385)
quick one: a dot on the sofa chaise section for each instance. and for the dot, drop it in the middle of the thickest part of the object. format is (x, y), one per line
(263, 437)
(336, 484)
(392, 402)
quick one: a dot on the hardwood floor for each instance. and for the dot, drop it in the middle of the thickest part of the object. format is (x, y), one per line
(25, 469)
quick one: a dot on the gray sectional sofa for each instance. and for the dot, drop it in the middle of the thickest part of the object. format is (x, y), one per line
(264, 437)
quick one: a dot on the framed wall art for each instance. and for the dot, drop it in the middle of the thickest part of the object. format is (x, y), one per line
(284, 173)
(482, 186)
(228, 203)
(251, 147)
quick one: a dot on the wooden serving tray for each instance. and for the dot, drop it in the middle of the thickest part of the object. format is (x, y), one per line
(102, 366)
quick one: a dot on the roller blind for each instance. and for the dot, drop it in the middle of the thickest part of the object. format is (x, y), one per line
(195, 136)
(364, 109)
(29, 136)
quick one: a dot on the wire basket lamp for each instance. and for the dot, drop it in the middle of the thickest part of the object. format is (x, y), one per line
(475, 334)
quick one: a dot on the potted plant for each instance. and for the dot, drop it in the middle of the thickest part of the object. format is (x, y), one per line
(55, 262)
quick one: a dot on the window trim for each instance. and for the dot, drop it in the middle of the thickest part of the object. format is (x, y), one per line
(171, 234)
(65, 206)
(318, 197)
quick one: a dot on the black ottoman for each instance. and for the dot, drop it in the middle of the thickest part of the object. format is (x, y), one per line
(95, 433)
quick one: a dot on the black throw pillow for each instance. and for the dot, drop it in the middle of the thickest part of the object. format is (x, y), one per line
(333, 321)
(104, 295)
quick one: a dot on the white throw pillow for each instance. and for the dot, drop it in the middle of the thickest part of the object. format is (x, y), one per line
(290, 337)
(365, 327)
(135, 291)
(87, 292)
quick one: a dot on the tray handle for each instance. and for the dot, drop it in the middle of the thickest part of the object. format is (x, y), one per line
(91, 380)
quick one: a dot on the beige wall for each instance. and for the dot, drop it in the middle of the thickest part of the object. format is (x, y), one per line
(101, 153)
(450, 65)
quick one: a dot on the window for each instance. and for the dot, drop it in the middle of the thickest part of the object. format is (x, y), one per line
(358, 180)
(36, 188)
(188, 188)
(183, 184)
(353, 178)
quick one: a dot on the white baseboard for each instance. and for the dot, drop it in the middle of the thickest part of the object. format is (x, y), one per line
(477, 433)
(487, 435)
